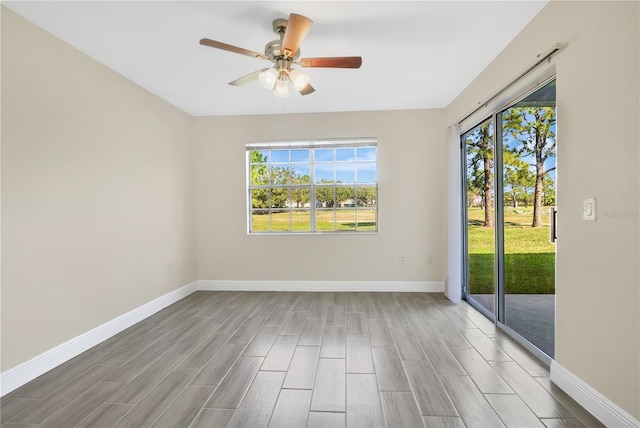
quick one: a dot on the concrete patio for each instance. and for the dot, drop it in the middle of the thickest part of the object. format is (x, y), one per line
(530, 315)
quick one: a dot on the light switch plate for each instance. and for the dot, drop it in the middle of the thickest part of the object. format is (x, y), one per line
(589, 209)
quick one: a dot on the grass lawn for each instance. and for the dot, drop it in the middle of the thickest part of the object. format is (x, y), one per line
(529, 256)
(326, 220)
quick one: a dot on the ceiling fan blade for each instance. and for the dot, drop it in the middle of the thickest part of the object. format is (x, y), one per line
(307, 89)
(248, 78)
(231, 48)
(297, 28)
(332, 62)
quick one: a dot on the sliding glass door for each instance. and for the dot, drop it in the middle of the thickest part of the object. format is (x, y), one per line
(510, 252)
(480, 220)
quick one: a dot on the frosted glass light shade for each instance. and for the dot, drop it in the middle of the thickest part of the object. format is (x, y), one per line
(281, 90)
(300, 81)
(268, 78)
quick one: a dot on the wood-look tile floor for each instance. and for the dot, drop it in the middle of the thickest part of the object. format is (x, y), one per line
(267, 359)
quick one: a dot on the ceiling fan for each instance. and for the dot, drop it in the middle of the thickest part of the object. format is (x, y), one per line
(284, 53)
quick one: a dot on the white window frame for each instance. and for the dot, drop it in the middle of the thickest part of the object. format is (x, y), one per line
(311, 145)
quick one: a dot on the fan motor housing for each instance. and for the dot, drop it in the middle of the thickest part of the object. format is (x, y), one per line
(272, 50)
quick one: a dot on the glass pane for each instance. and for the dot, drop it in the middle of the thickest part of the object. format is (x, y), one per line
(366, 197)
(325, 197)
(300, 174)
(366, 172)
(346, 173)
(529, 161)
(300, 197)
(367, 219)
(279, 156)
(325, 219)
(299, 155)
(345, 155)
(280, 220)
(258, 156)
(260, 221)
(259, 175)
(324, 173)
(279, 198)
(324, 155)
(366, 153)
(280, 173)
(259, 198)
(346, 219)
(345, 197)
(478, 144)
(300, 220)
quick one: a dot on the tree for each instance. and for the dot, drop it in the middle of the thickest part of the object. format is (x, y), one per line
(300, 195)
(366, 196)
(344, 194)
(280, 175)
(259, 198)
(258, 168)
(475, 185)
(259, 175)
(279, 197)
(548, 191)
(479, 146)
(325, 195)
(518, 177)
(331, 196)
(533, 128)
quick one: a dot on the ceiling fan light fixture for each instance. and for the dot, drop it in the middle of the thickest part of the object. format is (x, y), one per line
(282, 53)
(299, 80)
(268, 78)
(281, 90)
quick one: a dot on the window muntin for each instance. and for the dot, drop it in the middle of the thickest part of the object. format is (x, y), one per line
(312, 186)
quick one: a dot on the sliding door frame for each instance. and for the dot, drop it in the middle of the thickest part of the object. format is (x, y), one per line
(498, 204)
(539, 80)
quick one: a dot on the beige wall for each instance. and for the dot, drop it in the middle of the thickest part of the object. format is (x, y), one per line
(98, 195)
(411, 201)
(97, 209)
(597, 313)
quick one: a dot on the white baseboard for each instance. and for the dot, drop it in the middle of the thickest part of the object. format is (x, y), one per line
(328, 286)
(17, 376)
(594, 402)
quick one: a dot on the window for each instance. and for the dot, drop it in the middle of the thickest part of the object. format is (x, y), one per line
(313, 186)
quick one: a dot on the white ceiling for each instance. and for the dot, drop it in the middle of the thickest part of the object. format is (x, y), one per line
(417, 54)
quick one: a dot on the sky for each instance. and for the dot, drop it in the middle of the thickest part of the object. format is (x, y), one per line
(346, 165)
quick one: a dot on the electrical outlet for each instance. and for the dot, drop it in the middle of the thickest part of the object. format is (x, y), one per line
(403, 260)
(428, 260)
